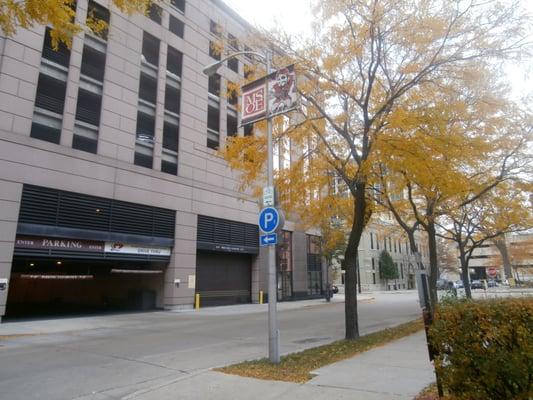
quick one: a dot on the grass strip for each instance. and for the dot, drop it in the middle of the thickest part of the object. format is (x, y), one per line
(297, 367)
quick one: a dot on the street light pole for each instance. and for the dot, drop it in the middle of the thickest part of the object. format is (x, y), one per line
(273, 332)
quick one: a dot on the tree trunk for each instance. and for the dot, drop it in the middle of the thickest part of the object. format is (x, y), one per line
(433, 263)
(502, 248)
(464, 272)
(350, 264)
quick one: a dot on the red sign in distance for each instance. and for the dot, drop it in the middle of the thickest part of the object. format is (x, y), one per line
(492, 272)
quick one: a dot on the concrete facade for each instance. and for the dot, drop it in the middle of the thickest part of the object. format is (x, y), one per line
(204, 185)
(384, 234)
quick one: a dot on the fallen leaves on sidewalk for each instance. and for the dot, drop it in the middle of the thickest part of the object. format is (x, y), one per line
(297, 367)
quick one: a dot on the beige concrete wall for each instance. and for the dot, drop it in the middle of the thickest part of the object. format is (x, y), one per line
(10, 193)
(204, 184)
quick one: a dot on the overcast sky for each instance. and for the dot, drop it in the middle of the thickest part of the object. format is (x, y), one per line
(295, 17)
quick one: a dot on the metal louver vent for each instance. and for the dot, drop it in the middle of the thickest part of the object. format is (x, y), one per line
(52, 207)
(223, 231)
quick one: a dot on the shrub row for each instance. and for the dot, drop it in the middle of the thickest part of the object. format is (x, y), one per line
(485, 348)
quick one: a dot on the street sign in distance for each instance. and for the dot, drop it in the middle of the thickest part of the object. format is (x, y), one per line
(269, 239)
(492, 272)
(268, 196)
(268, 219)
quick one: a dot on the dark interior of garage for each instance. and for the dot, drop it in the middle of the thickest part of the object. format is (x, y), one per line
(46, 287)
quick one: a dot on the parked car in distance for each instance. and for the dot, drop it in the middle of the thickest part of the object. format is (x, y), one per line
(476, 284)
(458, 284)
(492, 283)
(443, 284)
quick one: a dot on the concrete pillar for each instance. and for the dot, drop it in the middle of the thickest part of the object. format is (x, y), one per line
(10, 196)
(182, 264)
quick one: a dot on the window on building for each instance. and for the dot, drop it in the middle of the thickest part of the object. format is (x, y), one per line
(148, 88)
(84, 143)
(85, 138)
(172, 99)
(390, 244)
(284, 265)
(50, 94)
(373, 264)
(232, 125)
(174, 61)
(60, 56)
(46, 128)
(176, 26)
(248, 130)
(248, 72)
(401, 270)
(96, 14)
(155, 13)
(179, 4)
(215, 28)
(233, 64)
(169, 167)
(233, 42)
(231, 94)
(143, 160)
(394, 245)
(169, 161)
(374, 278)
(150, 49)
(314, 265)
(214, 85)
(93, 63)
(88, 107)
(170, 136)
(145, 127)
(213, 127)
(248, 56)
(214, 50)
(372, 242)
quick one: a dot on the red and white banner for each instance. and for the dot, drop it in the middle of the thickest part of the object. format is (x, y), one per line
(278, 89)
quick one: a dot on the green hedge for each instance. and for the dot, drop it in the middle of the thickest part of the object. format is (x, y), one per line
(485, 349)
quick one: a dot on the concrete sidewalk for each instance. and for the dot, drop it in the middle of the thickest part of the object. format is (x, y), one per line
(396, 371)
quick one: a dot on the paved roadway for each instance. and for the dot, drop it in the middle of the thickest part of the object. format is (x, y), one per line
(111, 357)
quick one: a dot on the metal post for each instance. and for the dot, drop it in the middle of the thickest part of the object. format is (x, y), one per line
(273, 333)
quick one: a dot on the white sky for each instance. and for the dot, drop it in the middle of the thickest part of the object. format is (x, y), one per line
(295, 17)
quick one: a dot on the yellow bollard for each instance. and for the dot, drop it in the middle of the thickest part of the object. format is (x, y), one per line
(260, 297)
(197, 301)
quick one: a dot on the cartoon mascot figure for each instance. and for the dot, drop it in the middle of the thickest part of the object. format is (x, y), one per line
(282, 91)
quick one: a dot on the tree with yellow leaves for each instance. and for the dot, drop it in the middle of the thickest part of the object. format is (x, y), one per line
(364, 61)
(444, 157)
(502, 210)
(59, 14)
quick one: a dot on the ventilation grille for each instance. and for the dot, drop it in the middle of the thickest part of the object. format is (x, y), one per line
(72, 210)
(223, 231)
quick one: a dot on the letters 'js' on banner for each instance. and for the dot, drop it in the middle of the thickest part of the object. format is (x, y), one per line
(278, 88)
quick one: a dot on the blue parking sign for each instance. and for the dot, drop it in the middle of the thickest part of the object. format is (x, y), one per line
(270, 239)
(268, 219)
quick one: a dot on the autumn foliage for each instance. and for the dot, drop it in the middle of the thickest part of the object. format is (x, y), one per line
(484, 349)
(59, 14)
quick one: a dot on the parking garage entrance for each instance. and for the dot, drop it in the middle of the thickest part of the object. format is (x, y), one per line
(224, 257)
(60, 282)
(79, 253)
